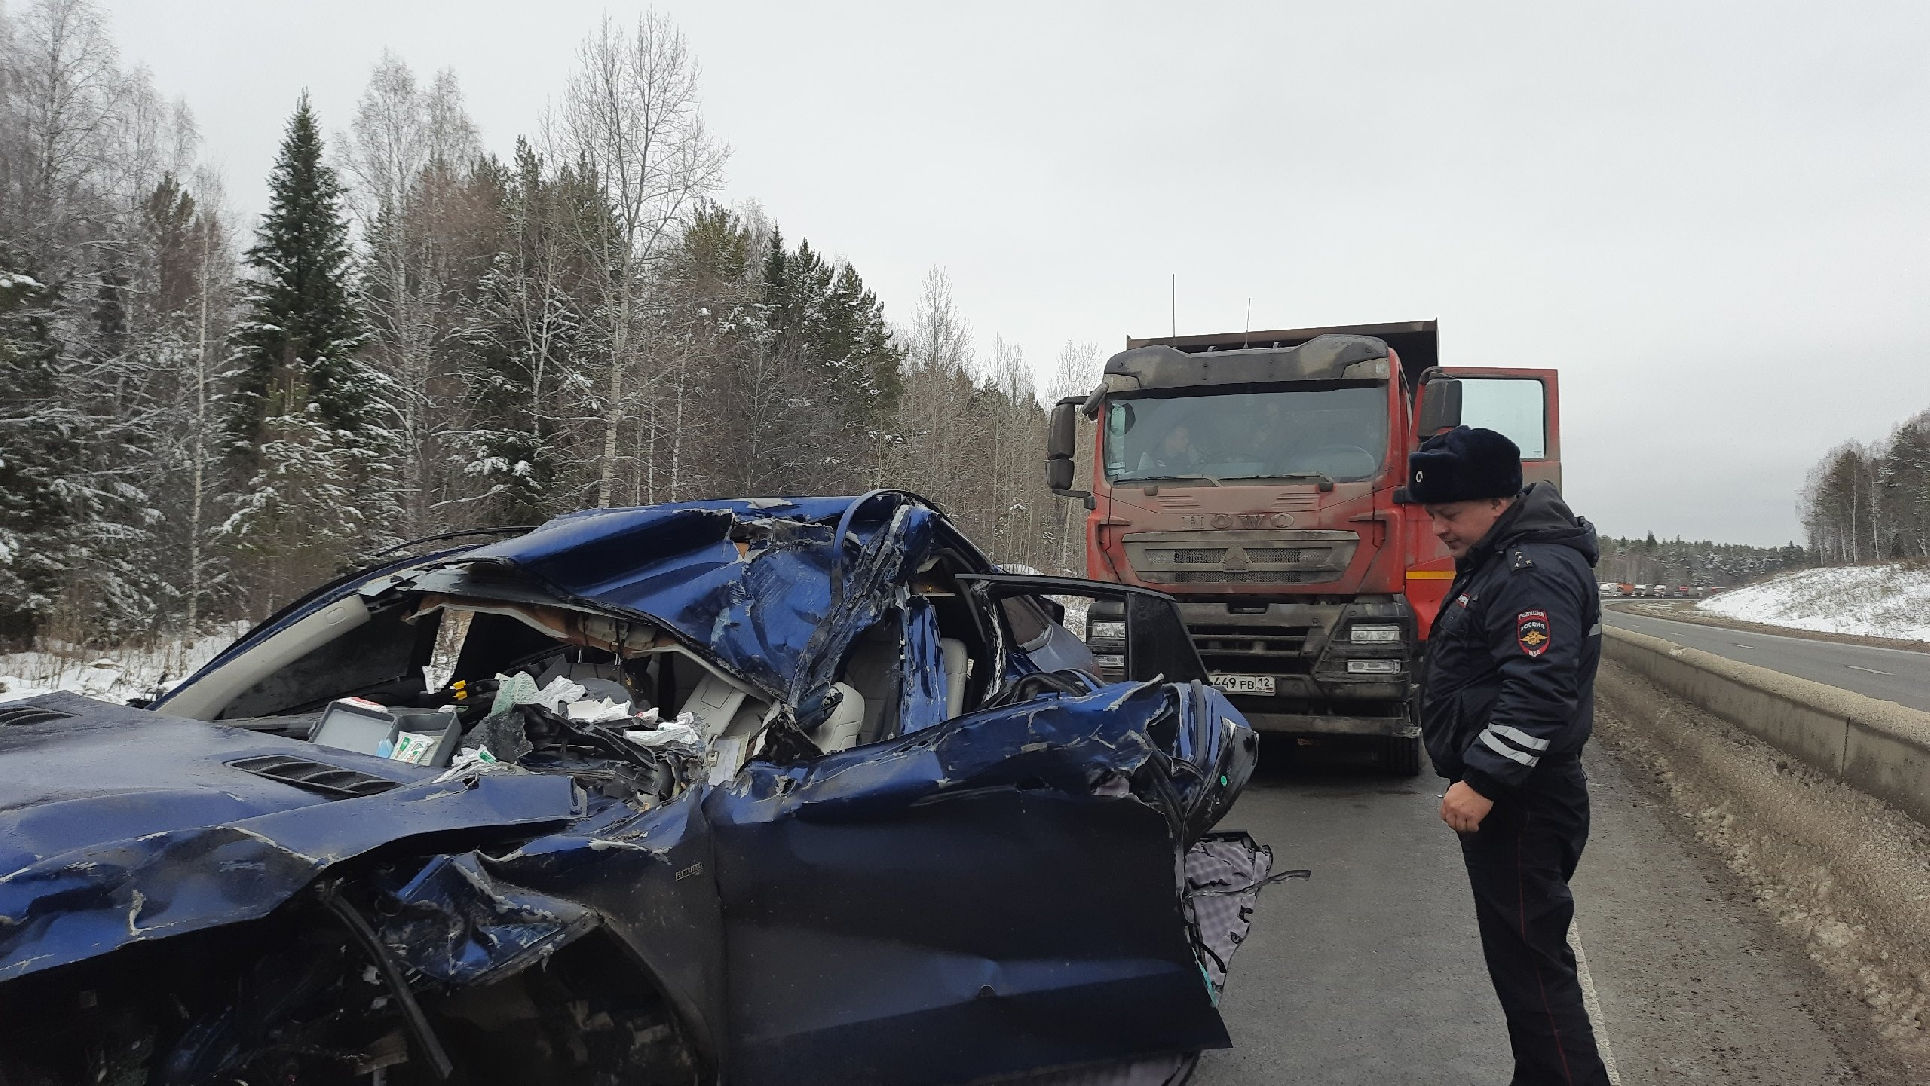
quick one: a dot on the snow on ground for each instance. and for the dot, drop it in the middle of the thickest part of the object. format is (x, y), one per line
(1891, 599)
(111, 675)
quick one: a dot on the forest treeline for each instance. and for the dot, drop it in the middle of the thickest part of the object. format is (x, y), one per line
(200, 417)
(1864, 502)
(1697, 563)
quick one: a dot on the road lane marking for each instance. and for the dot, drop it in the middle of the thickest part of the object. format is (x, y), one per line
(1871, 670)
(1593, 1005)
(1773, 637)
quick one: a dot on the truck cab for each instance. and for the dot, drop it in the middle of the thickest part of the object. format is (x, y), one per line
(1259, 479)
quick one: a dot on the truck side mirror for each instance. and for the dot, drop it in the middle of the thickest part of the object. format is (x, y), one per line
(1440, 407)
(1061, 444)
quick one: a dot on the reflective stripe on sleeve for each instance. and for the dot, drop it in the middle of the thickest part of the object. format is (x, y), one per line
(1518, 736)
(1488, 740)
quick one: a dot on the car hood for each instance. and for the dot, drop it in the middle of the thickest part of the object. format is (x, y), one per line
(119, 825)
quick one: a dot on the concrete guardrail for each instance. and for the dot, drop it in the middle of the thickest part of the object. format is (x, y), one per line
(1878, 747)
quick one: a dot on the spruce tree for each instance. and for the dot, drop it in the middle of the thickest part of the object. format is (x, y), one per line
(297, 343)
(310, 433)
(38, 436)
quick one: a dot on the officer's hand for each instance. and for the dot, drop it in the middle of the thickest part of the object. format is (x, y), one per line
(1463, 808)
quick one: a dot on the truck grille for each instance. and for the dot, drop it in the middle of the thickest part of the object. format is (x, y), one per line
(1241, 557)
(1251, 576)
(1278, 554)
(1196, 556)
(1254, 650)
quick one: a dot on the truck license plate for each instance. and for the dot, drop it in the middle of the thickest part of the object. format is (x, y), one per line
(1244, 684)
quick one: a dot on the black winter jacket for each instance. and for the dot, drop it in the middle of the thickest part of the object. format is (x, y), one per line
(1510, 678)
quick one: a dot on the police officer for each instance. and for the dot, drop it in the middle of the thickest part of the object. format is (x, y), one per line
(1507, 700)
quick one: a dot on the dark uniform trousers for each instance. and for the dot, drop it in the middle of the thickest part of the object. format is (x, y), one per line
(1519, 863)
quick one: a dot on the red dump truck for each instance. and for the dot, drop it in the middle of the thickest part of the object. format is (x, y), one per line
(1258, 477)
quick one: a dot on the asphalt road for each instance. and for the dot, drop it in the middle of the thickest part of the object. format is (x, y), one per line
(1897, 675)
(1370, 972)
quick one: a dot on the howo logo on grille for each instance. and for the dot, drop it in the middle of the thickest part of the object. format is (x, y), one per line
(1225, 521)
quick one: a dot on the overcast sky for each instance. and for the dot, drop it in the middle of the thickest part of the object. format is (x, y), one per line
(1710, 217)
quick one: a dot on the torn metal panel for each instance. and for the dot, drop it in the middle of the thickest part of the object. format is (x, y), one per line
(1216, 741)
(760, 587)
(455, 923)
(923, 690)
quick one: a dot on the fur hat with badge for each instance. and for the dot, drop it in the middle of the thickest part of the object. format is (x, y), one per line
(1464, 464)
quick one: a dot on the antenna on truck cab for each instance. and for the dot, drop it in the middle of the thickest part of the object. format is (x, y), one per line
(1174, 299)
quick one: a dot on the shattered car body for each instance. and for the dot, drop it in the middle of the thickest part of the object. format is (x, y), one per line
(879, 823)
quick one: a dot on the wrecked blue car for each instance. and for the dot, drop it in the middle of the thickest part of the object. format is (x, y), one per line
(800, 791)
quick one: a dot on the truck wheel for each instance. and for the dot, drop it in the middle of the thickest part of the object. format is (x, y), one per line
(1401, 756)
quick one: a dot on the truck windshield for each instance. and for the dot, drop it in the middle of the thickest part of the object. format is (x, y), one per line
(1339, 433)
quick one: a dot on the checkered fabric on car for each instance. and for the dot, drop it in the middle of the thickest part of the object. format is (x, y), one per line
(1224, 874)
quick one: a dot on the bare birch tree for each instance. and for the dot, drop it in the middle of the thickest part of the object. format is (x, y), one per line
(214, 259)
(409, 149)
(631, 115)
(63, 99)
(1075, 374)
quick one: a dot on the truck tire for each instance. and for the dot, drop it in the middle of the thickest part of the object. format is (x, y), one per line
(1401, 756)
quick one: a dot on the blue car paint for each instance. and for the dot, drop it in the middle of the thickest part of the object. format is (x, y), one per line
(747, 583)
(872, 914)
(121, 826)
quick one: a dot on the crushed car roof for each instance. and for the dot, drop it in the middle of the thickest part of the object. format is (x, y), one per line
(750, 582)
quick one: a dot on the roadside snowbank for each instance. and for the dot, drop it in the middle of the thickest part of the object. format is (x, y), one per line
(115, 675)
(1887, 600)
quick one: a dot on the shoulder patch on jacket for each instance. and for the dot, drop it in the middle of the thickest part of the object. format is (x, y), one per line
(1532, 632)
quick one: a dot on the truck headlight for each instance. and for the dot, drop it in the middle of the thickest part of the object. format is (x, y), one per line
(1106, 631)
(1373, 667)
(1366, 635)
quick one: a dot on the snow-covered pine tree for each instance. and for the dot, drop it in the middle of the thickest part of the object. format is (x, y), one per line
(527, 430)
(722, 384)
(304, 434)
(36, 440)
(301, 327)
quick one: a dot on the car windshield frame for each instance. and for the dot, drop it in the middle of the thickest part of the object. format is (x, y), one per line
(1334, 450)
